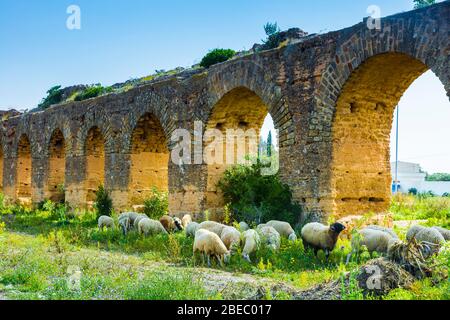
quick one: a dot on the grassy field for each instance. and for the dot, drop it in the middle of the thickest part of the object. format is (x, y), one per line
(40, 249)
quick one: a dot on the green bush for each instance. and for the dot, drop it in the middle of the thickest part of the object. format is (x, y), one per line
(157, 205)
(423, 3)
(103, 202)
(54, 96)
(92, 92)
(273, 36)
(257, 198)
(413, 191)
(217, 56)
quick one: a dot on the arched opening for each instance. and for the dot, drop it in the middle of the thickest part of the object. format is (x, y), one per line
(57, 167)
(231, 134)
(95, 162)
(149, 159)
(423, 131)
(361, 173)
(24, 163)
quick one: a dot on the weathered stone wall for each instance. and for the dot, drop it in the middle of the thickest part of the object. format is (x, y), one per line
(331, 97)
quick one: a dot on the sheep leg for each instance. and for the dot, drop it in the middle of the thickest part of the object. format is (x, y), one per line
(209, 261)
(219, 258)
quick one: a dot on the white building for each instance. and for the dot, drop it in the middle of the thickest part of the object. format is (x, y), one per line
(410, 175)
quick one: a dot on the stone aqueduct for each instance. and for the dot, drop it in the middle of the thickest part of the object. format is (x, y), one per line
(331, 97)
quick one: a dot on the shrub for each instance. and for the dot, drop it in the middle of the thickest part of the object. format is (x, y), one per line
(157, 205)
(423, 3)
(103, 202)
(446, 195)
(273, 36)
(257, 198)
(92, 92)
(54, 96)
(217, 56)
(413, 191)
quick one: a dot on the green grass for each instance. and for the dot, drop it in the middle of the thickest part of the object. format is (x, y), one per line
(38, 246)
(436, 210)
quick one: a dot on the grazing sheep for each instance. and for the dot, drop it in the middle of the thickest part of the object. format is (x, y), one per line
(444, 232)
(231, 237)
(373, 239)
(131, 215)
(105, 221)
(251, 243)
(387, 230)
(171, 224)
(284, 229)
(319, 236)
(149, 226)
(178, 224)
(137, 219)
(212, 226)
(271, 238)
(209, 244)
(243, 226)
(187, 218)
(430, 235)
(191, 229)
(124, 224)
(413, 231)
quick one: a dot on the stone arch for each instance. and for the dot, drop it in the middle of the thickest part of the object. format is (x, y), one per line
(24, 170)
(95, 119)
(253, 75)
(57, 150)
(355, 178)
(243, 112)
(149, 155)
(94, 152)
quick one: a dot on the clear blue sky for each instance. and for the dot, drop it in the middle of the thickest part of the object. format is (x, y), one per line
(123, 39)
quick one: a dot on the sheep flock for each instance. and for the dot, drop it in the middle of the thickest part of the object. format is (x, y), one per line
(219, 241)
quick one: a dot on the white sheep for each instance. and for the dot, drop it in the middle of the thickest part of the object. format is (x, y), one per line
(384, 229)
(231, 237)
(251, 243)
(430, 235)
(187, 218)
(243, 226)
(413, 231)
(131, 215)
(284, 229)
(209, 244)
(270, 237)
(137, 219)
(150, 227)
(444, 232)
(212, 226)
(105, 221)
(124, 224)
(318, 236)
(373, 239)
(191, 229)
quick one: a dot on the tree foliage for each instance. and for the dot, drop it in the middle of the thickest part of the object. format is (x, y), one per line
(438, 177)
(92, 92)
(216, 56)
(256, 198)
(103, 202)
(54, 96)
(273, 36)
(157, 205)
(423, 3)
